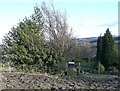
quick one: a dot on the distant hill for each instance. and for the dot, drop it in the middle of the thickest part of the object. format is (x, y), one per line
(94, 39)
(87, 39)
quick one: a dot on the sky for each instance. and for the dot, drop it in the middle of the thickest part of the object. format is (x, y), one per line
(88, 18)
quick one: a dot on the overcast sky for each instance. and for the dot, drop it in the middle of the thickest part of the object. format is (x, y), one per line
(88, 18)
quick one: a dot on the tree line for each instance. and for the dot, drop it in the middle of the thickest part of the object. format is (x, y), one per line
(44, 41)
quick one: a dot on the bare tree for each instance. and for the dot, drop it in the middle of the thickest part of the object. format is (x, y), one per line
(56, 27)
(86, 50)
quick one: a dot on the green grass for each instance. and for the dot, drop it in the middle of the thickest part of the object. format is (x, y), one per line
(95, 76)
(85, 64)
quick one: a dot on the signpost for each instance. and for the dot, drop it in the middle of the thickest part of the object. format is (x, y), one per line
(71, 68)
(71, 64)
(74, 67)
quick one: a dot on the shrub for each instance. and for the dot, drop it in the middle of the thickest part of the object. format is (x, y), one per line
(101, 67)
(113, 69)
(72, 71)
(118, 67)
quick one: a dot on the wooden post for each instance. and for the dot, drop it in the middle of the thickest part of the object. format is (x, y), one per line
(9, 67)
(78, 69)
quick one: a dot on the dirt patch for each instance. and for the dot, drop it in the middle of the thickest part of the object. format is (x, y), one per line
(20, 80)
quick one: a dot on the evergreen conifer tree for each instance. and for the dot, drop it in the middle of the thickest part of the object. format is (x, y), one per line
(109, 57)
(106, 53)
(99, 48)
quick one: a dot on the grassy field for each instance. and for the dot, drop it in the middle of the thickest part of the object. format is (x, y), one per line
(90, 64)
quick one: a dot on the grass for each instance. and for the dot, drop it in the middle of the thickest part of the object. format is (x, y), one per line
(90, 64)
(95, 76)
(83, 64)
